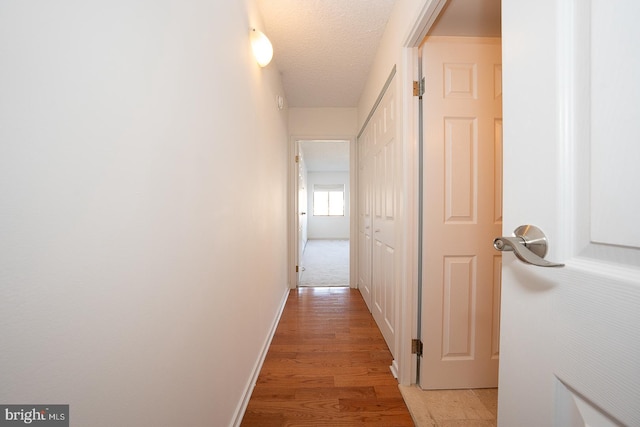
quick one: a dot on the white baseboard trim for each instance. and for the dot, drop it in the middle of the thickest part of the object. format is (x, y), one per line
(394, 368)
(242, 406)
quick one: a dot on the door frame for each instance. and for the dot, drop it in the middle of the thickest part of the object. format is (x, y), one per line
(292, 205)
(409, 304)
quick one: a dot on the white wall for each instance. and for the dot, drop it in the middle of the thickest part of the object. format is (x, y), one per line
(323, 122)
(142, 208)
(390, 53)
(328, 227)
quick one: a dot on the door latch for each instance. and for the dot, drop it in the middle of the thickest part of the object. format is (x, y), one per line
(529, 245)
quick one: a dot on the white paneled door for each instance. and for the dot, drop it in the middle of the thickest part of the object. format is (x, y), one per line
(364, 216)
(462, 212)
(385, 285)
(378, 280)
(570, 344)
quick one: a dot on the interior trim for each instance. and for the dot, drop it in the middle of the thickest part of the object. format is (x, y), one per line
(248, 390)
(375, 105)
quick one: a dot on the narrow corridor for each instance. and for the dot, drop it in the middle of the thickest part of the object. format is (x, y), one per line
(327, 365)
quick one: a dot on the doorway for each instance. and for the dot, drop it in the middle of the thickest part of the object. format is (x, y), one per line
(324, 214)
(459, 303)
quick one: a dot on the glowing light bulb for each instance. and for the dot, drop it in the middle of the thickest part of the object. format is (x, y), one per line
(262, 48)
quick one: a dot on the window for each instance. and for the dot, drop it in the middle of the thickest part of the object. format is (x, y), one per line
(328, 200)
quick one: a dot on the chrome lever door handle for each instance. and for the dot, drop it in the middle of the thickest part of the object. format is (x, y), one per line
(529, 245)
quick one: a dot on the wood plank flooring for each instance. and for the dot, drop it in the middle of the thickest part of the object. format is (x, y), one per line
(327, 365)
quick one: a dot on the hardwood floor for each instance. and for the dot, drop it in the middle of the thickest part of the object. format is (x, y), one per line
(327, 365)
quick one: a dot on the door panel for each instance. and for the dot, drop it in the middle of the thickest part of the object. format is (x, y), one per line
(460, 148)
(580, 321)
(461, 287)
(458, 321)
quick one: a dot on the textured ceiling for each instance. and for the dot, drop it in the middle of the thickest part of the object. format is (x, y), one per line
(324, 48)
(325, 156)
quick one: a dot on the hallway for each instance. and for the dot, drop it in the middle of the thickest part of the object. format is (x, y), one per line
(327, 365)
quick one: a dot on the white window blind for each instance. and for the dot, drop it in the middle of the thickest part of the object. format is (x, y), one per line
(328, 200)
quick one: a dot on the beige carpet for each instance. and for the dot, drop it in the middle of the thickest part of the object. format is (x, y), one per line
(449, 408)
(325, 263)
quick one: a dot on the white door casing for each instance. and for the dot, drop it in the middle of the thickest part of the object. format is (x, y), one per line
(462, 212)
(303, 209)
(570, 341)
(298, 202)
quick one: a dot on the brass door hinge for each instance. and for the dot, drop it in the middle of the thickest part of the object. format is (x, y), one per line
(416, 347)
(418, 87)
(297, 269)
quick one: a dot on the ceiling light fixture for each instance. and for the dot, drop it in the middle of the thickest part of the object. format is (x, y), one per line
(262, 48)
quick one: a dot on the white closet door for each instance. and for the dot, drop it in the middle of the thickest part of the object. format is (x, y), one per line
(364, 217)
(378, 148)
